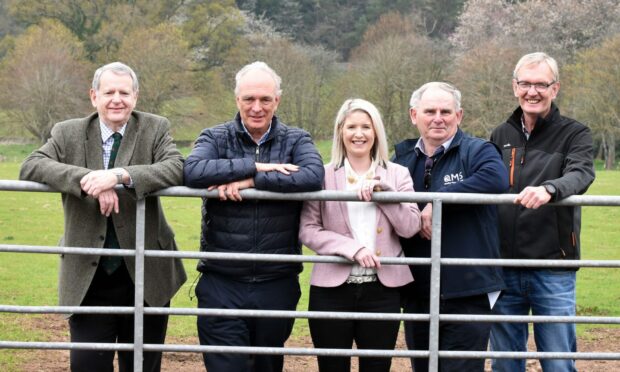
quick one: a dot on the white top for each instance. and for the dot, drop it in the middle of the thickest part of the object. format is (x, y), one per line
(362, 216)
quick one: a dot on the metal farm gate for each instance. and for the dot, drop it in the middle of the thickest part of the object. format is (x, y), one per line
(435, 261)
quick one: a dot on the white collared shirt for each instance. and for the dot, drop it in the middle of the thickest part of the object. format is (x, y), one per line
(362, 216)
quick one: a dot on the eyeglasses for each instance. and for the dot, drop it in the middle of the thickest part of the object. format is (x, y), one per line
(540, 87)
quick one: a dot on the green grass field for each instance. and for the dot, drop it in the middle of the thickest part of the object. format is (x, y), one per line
(36, 219)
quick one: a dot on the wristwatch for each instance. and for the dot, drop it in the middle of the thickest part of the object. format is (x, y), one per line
(119, 177)
(551, 190)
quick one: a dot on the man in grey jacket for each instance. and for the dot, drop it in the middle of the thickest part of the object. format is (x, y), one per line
(85, 159)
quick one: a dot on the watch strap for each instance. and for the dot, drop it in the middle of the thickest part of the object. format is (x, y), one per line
(551, 190)
(119, 177)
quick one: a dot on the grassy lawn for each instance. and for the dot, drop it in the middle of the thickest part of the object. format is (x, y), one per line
(36, 218)
(30, 279)
(15, 153)
(597, 288)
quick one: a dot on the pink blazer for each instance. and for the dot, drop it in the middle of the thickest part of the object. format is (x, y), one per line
(325, 228)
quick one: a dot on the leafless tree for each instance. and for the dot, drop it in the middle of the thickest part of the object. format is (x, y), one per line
(486, 84)
(590, 94)
(46, 79)
(394, 60)
(160, 57)
(307, 73)
(558, 27)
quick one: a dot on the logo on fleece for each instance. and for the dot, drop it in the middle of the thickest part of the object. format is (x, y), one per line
(449, 179)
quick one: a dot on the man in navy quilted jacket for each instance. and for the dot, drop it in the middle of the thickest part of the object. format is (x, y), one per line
(254, 150)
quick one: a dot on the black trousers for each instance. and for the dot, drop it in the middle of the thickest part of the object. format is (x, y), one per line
(371, 297)
(220, 292)
(467, 336)
(113, 290)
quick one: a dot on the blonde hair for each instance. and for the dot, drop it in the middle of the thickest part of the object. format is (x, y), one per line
(379, 151)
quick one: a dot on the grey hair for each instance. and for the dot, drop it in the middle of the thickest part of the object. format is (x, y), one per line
(261, 66)
(536, 59)
(118, 68)
(379, 152)
(449, 88)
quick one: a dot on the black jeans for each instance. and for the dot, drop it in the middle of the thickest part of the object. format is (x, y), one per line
(452, 335)
(371, 297)
(113, 290)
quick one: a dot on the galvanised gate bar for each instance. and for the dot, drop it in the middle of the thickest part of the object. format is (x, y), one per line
(435, 261)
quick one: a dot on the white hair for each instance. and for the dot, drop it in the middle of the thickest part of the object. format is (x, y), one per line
(261, 66)
(418, 93)
(118, 68)
(536, 59)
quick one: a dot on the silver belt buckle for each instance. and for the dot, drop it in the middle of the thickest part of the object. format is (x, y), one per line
(361, 279)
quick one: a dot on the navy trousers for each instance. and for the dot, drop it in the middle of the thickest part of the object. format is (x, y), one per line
(219, 292)
(467, 336)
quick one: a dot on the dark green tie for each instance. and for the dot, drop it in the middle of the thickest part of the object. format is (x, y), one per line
(117, 143)
(111, 263)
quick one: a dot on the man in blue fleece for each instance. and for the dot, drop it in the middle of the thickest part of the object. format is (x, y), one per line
(445, 159)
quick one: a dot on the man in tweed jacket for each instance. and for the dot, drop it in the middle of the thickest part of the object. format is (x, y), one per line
(83, 160)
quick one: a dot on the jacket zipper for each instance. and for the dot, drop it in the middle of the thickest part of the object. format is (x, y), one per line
(517, 185)
(256, 158)
(512, 166)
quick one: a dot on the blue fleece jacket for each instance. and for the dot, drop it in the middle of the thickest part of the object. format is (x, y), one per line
(469, 165)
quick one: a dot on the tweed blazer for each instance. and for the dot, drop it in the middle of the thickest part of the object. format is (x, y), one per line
(325, 228)
(152, 160)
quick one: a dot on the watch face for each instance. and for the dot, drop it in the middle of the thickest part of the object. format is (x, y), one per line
(550, 189)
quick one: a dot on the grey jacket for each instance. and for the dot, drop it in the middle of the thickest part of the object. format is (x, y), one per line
(153, 162)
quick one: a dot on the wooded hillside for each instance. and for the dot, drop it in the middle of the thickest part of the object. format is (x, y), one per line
(186, 53)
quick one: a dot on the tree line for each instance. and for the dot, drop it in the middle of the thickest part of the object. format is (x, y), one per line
(186, 53)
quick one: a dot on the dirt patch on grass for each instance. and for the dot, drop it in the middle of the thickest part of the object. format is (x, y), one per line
(55, 328)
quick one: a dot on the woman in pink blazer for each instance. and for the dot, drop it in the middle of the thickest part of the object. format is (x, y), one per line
(361, 232)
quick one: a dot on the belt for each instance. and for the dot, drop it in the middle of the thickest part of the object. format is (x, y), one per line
(361, 279)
